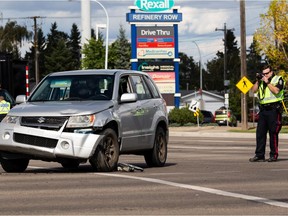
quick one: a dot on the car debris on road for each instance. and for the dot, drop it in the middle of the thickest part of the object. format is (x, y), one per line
(128, 167)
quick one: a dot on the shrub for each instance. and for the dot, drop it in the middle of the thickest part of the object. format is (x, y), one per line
(182, 117)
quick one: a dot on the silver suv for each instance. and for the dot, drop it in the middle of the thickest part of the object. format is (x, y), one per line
(88, 115)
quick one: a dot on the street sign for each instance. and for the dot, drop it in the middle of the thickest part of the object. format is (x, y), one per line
(244, 85)
(194, 105)
(153, 17)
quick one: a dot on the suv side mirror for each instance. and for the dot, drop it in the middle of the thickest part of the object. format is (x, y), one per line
(21, 99)
(128, 98)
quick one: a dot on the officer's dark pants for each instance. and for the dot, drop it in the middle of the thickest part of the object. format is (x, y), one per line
(269, 120)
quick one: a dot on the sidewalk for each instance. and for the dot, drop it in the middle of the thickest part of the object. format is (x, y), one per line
(215, 131)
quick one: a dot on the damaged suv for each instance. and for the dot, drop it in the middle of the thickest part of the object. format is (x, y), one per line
(74, 117)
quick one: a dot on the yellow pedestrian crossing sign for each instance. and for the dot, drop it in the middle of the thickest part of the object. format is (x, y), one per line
(244, 85)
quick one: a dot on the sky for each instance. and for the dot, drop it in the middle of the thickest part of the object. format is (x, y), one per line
(200, 19)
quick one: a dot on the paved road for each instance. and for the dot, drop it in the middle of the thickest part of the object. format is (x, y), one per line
(203, 176)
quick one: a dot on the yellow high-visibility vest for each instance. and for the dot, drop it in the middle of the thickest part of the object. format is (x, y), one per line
(4, 107)
(267, 96)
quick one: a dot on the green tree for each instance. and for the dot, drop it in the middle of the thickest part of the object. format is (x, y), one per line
(215, 67)
(120, 51)
(54, 36)
(11, 38)
(94, 53)
(253, 61)
(74, 45)
(214, 79)
(189, 74)
(233, 59)
(253, 66)
(57, 44)
(60, 58)
(272, 36)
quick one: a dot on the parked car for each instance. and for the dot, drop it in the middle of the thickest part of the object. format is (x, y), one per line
(208, 117)
(71, 120)
(223, 115)
(253, 115)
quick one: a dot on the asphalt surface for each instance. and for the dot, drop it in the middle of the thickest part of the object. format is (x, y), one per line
(215, 131)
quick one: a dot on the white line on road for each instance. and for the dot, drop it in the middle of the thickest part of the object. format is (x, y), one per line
(203, 189)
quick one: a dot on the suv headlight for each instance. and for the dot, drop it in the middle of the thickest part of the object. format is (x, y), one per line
(81, 121)
(10, 119)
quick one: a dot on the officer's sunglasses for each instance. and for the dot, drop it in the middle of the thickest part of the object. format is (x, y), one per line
(266, 73)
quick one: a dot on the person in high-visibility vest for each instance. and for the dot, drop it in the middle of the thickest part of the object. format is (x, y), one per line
(270, 89)
(4, 107)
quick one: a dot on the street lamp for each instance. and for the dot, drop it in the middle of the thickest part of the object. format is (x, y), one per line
(107, 33)
(99, 26)
(200, 66)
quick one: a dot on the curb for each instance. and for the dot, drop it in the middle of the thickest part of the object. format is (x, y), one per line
(212, 131)
(213, 134)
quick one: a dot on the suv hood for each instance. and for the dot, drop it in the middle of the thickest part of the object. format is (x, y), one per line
(62, 108)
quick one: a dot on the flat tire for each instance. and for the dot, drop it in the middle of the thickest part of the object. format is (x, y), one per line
(106, 155)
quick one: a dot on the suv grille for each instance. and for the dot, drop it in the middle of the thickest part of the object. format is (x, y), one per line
(52, 123)
(35, 141)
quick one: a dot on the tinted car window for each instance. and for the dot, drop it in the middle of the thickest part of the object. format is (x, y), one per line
(124, 86)
(152, 87)
(91, 87)
(141, 88)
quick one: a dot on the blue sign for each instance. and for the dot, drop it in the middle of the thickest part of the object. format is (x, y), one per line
(154, 5)
(153, 17)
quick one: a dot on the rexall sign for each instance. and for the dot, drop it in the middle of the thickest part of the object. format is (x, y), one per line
(154, 5)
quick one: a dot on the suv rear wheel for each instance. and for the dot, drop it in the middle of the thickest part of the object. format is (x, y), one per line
(158, 155)
(105, 158)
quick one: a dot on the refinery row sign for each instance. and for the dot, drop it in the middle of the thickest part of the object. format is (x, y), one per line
(154, 5)
(153, 17)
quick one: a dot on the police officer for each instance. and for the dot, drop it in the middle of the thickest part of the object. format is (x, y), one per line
(4, 107)
(270, 88)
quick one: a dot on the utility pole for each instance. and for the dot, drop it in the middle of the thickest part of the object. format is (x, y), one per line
(225, 53)
(243, 64)
(36, 48)
(36, 57)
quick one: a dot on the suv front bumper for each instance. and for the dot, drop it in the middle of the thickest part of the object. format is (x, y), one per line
(47, 143)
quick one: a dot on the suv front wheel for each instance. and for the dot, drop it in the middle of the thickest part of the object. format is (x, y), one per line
(158, 155)
(105, 158)
(14, 165)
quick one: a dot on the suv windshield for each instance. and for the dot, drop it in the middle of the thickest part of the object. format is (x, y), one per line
(76, 87)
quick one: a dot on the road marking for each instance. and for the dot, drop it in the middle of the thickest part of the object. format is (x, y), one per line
(203, 189)
(35, 167)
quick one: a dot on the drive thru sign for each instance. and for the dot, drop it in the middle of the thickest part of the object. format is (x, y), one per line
(244, 85)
